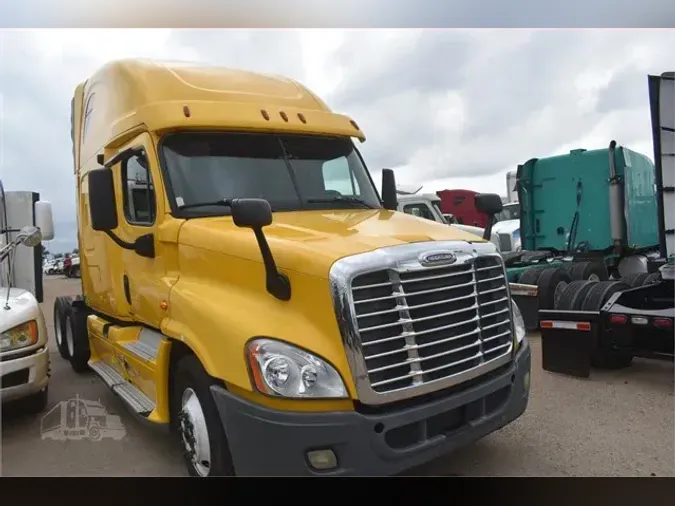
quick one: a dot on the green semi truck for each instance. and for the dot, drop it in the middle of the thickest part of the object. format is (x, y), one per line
(588, 215)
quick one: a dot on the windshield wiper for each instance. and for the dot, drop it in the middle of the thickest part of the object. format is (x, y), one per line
(222, 203)
(340, 198)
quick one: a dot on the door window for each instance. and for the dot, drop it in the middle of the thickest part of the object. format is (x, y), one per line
(139, 191)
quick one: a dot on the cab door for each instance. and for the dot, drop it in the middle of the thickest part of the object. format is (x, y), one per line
(138, 179)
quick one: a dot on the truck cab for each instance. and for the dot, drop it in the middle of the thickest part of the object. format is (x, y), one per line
(428, 206)
(259, 299)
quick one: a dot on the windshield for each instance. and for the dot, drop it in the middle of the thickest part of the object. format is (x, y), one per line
(289, 171)
(511, 212)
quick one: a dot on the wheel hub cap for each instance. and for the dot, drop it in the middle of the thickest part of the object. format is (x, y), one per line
(57, 328)
(194, 433)
(69, 338)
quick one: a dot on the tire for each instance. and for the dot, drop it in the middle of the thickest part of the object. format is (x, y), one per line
(530, 276)
(591, 271)
(550, 285)
(95, 433)
(77, 339)
(569, 295)
(635, 280)
(59, 315)
(36, 403)
(600, 294)
(76, 271)
(604, 358)
(193, 383)
(578, 301)
(654, 277)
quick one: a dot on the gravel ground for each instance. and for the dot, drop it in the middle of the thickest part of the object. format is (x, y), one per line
(618, 423)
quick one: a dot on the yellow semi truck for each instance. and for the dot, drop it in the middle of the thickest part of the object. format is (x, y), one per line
(247, 288)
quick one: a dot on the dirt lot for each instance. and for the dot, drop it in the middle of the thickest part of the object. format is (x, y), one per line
(615, 424)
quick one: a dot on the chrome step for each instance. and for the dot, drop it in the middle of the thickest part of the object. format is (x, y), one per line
(136, 399)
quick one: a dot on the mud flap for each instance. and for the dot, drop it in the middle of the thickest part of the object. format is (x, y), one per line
(568, 339)
(528, 302)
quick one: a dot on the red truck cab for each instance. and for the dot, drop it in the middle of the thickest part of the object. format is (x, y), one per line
(460, 203)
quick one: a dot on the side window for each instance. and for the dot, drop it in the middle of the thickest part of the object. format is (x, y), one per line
(337, 176)
(88, 109)
(421, 210)
(139, 191)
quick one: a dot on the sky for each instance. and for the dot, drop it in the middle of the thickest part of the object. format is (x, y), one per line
(444, 108)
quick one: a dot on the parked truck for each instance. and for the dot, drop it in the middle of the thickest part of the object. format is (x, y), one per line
(461, 204)
(428, 206)
(618, 320)
(263, 302)
(25, 221)
(589, 215)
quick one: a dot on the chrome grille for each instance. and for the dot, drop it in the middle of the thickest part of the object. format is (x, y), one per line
(505, 242)
(423, 324)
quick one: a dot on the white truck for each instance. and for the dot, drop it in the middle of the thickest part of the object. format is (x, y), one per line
(24, 353)
(428, 205)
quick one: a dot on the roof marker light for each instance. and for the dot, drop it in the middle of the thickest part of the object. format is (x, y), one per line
(264, 114)
(283, 116)
(186, 111)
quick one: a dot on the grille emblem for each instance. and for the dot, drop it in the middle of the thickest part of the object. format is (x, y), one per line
(437, 258)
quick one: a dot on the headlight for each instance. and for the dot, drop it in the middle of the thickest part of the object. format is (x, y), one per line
(518, 323)
(283, 370)
(20, 336)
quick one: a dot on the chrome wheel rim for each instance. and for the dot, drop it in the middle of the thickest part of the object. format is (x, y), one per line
(69, 338)
(194, 434)
(57, 328)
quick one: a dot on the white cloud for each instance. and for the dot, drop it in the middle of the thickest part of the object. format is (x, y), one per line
(445, 108)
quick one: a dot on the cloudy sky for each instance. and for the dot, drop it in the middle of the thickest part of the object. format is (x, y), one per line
(446, 108)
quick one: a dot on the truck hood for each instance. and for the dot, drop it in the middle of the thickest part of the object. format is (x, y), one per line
(23, 307)
(311, 241)
(506, 226)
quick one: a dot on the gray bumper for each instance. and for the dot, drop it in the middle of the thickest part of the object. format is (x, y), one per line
(27, 375)
(267, 442)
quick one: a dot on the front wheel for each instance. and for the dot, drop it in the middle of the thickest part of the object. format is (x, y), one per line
(198, 424)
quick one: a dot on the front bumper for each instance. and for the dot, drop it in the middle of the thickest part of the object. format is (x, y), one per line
(268, 442)
(24, 376)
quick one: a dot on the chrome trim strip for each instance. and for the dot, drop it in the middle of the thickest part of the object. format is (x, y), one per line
(401, 259)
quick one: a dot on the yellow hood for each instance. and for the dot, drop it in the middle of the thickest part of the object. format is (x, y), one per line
(311, 241)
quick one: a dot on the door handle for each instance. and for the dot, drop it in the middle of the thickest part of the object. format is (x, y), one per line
(127, 289)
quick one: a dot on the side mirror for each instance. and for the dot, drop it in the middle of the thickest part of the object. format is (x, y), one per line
(389, 198)
(490, 204)
(44, 220)
(102, 204)
(29, 236)
(251, 213)
(256, 214)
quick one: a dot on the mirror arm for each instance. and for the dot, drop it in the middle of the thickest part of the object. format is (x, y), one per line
(277, 283)
(144, 245)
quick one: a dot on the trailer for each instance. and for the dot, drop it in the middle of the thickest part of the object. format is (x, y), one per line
(604, 324)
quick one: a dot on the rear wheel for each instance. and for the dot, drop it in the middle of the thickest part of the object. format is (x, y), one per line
(635, 280)
(60, 305)
(605, 356)
(200, 431)
(591, 271)
(77, 338)
(569, 295)
(530, 277)
(654, 277)
(551, 283)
